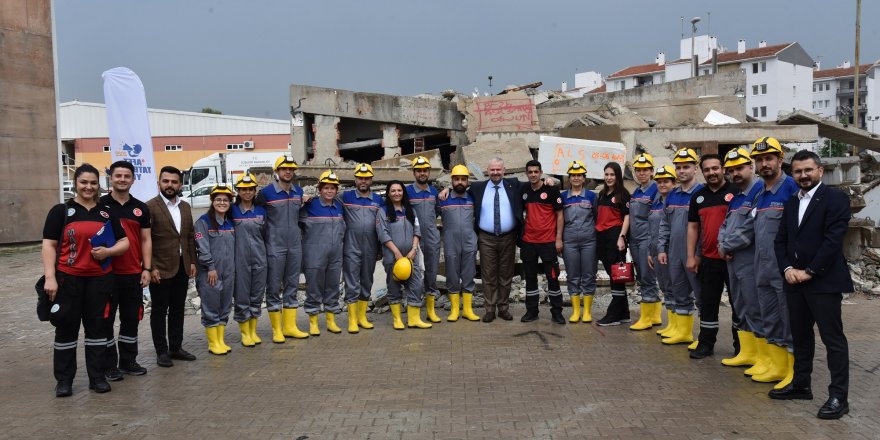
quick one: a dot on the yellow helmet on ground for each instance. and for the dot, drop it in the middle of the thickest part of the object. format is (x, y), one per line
(460, 170)
(766, 145)
(402, 269)
(328, 177)
(246, 180)
(577, 167)
(421, 162)
(285, 161)
(643, 160)
(736, 157)
(684, 155)
(665, 172)
(363, 170)
(221, 188)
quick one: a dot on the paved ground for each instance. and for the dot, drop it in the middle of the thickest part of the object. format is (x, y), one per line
(463, 380)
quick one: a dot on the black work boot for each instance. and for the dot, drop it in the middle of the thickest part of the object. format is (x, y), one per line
(613, 316)
(531, 309)
(556, 309)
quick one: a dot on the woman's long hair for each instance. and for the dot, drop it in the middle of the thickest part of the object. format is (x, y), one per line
(389, 205)
(617, 191)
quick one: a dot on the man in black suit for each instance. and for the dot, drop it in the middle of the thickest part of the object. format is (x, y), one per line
(809, 250)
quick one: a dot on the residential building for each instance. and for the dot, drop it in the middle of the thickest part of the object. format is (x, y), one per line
(872, 98)
(834, 93)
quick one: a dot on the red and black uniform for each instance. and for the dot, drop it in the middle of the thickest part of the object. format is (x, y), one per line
(539, 241)
(83, 286)
(609, 225)
(708, 209)
(127, 295)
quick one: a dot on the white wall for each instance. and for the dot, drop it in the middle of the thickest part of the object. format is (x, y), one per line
(872, 81)
(768, 99)
(613, 84)
(820, 96)
(587, 80)
(675, 72)
(703, 45)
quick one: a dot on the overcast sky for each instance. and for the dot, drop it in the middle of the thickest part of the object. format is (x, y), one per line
(241, 57)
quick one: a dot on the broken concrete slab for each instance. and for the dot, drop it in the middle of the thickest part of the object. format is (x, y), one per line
(515, 153)
(512, 112)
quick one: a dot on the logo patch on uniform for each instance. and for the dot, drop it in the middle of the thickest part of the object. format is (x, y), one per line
(137, 212)
(728, 197)
(199, 235)
(543, 196)
(559, 200)
(55, 308)
(614, 200)
(104, 214)
(70, 212)
(525, 196)
(700, 199)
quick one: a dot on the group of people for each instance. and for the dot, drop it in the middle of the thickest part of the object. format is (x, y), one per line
(688, 241)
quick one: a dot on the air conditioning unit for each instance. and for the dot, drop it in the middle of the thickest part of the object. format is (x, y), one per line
(248, 145)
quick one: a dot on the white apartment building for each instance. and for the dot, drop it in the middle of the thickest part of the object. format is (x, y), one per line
(834, 93)
(872, 98)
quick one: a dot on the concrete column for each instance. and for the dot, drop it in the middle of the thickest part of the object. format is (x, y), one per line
(326, 139)
(298, 147)
(390, 138)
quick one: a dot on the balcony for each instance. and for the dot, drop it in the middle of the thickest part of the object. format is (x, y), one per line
(846, 92)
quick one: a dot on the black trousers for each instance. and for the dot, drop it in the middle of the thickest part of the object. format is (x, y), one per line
(86, 300)
(169, 299)
(606, 250)
(530, 253)
(128, 299)
(823, 309)
(712, 276)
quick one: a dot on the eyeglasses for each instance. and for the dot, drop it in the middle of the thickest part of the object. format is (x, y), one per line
(222, 201)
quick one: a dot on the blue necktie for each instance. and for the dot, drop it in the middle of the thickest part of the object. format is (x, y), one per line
(497, 211)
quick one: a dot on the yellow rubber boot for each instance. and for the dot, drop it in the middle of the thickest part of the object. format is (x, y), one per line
(789, 375)
(454, 303)
(288, 325)
(252, 328)
(684, 333)
(212, 342)
(575, 309)
(778, 365)
(429, 305)
(671, 321)
(414, 318)
(747, 355)
(762, 358)
(656, 313)
(221, 336)
(245, 328)
(277, 334)
(353, 318)
(313, 326)
(586, 314)
(467, 307)
(331, 323)
(693, 345)
(646, 315)
(362, 315)
(395, 315)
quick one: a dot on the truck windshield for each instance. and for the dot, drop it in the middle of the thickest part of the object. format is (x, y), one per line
(196, 175)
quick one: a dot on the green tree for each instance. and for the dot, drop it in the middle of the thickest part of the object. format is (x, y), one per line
(211, 111)
(833, 148)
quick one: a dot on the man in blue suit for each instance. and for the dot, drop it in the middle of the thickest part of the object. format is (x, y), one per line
(809, 250)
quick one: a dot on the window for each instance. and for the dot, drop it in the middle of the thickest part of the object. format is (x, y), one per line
(794, 91)
(814, 89)
(814, 105)
(755, 111)
(828, 86)
(754, 67)
(705, 71)
(621, 85)
(763, 112)
(763, 66)
(763, 89)
(852, 85)
(174, 148)
(203, 191)
(235, 146)
(106, 148)
(754, 90)
(827, 103)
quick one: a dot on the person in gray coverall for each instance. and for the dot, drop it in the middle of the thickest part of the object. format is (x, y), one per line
(215, 269)
(665, 179)
(423, 198)
(460, 245)
(249, 219)
(579, 242)
(640, 241)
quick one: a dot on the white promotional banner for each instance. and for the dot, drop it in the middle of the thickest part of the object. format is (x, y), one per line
(129, 128)
(555, 153)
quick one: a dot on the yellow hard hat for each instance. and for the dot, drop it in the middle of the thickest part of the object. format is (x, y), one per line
(643, 160)
(285, 161)
(402, 269)
(684, 155)
(221, 188)
(328, 177)
(665, 172)
(766, 145)
(363, 170)
(460, 170)
(246, 180)
(577, 167)
(421, 162)
(737, 156)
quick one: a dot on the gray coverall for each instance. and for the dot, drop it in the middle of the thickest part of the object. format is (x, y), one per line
(283, 245)
(673, 241)
(425, 206)
(658, 211)
(459, 242)
(250, 258)
(640, 240)
(324, 227)
(768, 279)
(579, 242)
(737, 237)
(216, 251)
(361, 244)
(401, 232)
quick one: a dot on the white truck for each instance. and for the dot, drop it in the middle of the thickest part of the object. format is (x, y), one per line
(226, 167)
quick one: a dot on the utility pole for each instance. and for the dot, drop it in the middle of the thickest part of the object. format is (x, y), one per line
(856, 71)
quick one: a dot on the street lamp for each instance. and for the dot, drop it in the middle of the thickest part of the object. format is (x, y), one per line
(694, 58)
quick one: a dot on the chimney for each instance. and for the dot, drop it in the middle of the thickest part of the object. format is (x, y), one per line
(661, 59)
(565, 86)
(817, 65)
(740, 46)
(763, 43)
(846, 64)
